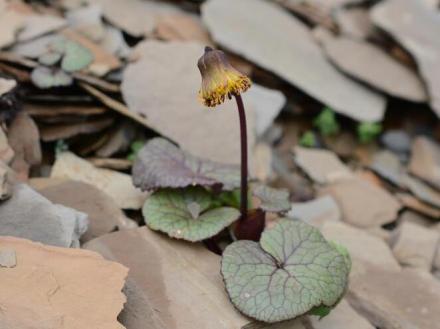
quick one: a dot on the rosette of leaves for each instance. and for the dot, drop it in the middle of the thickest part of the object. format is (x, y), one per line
(187, 213)
(290, 272)
(161, 164)
(62, 58)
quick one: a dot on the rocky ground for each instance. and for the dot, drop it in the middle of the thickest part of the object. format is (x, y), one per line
(343, 113)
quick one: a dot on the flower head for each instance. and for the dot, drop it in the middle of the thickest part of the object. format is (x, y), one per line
(219, 78)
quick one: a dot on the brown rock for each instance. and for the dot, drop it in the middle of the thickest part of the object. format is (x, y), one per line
(425, 160)
(171, 284)
(117, 185)
(103, 214)
(405, 299)
(365, 250)
(54, 287)
(385, 74)
(321, 165)
(6, 152)
(415, 26)
(363, 204)
(415, 204)
(24, 139)
(415, 245)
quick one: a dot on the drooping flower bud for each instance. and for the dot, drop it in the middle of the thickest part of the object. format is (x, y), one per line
(219, 78)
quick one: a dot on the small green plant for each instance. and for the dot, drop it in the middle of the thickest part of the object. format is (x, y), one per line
(326, 122)
(368, 131)
(271, 274)
(62, 58)
(135, 147)
(308, 139)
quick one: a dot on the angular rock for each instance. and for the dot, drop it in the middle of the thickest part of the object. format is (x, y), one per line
(171, 104)
(139, 17)
(171, 284)
(6, 152)
(397, 140)
(267, 103)
(29, 215)
(405, 299)
(415, 218)
(103, 214)
(436, 262)
(342, 316)
(415, 204)
(386, 74)
(182, 27)
(354, 22)
(387, 165)
(241, 30)
(415, 26)
(415, 245)
(363, 204)
(6, 85)
(7, 179)
(422, 191)
(24, 139)
(53, 287)
(117, 185)
(321, 165)
(36, 25)
(365, 250)
(425, 161)
(316, 212)
(10, 23)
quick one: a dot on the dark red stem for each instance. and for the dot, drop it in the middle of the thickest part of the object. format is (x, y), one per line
(244, 158)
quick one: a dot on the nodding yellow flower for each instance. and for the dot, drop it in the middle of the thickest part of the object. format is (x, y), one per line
(219, 78)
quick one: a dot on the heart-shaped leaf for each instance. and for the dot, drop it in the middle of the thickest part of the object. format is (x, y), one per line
(161, 164)
(185, 213)
(290, 272)
(44, 77)
(272, 199)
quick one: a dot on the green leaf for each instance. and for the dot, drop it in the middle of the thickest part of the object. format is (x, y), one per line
(76, 57)
(326, 122)
(44, 78)
(368, 131)
(186, 214)
(308, 139)
(50, 58)
(272, 199)
(290, 272)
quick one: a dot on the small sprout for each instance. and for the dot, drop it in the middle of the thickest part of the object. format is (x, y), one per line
(368, 131)
(44, 77)
(308, 139)
(326, 122)
(135, 147)
(219, 78)
(61, 146)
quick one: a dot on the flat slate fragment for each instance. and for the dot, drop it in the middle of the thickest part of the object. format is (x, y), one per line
(292, 270)
(385, 73)
(415, 26)
(256, 30)
(161, 164)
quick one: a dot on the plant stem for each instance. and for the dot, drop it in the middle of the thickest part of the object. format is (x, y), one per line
(244, 158)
